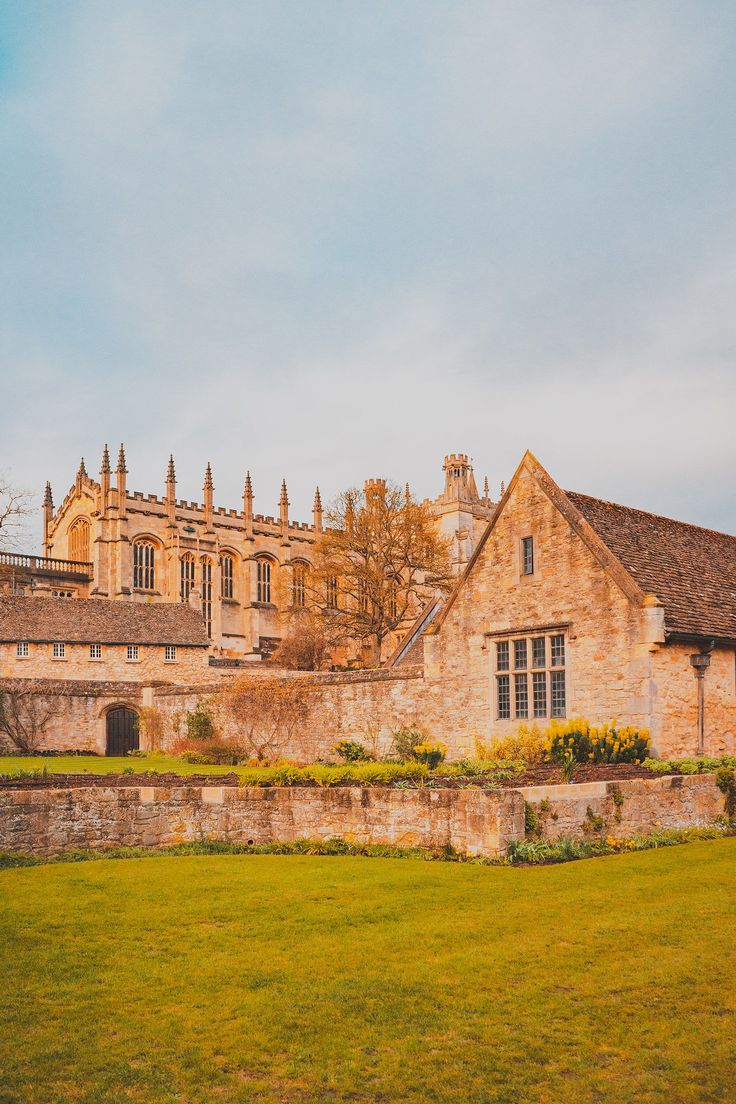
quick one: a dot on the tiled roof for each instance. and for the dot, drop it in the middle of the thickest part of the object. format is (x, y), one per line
(97, 621)
(691, 570)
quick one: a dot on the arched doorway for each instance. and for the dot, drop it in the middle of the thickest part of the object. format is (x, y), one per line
(122, 731)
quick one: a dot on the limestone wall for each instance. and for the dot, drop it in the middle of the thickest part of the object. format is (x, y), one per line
(623, 809)
(190, 663)
(47, 821)
(675, 701)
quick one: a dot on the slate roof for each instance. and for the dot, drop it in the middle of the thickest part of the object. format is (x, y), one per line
(691, 570)
(97, 621)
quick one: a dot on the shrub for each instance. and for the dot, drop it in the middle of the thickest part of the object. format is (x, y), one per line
(702, 764)
(200, 724)
(352, 752)
(726, 782)
(528, 744)
(430, 753)
(404, 740)
(588, 744)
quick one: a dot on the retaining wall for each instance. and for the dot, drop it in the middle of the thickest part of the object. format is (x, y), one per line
(47, 821)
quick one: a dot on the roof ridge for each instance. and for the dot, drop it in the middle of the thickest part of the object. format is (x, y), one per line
(650, 514)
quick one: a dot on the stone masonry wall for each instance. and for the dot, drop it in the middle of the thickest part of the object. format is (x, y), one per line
(482, 822)
(190, 663)
(623, 809)
(47, 821)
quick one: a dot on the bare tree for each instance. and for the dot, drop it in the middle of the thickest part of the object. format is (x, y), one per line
(268, 714)
(305, 647)
(379, 561)
(24, 715)
(15, 505)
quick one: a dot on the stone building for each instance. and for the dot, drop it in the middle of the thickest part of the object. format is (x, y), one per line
(572, 606)
(246, 571)
(126, 642)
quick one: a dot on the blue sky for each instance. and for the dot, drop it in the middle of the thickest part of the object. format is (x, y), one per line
(334, 240)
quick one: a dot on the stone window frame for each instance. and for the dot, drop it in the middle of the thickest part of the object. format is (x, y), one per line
(22, 650)
(527, 555)
(169, 653)
(509, 701)
(132, 654)
(79, 536)
(227, 576)
(144, 564)
(58, 649)
(187, 569)
(264, 580)
(95, 652)
(520, 534)
(299, 570)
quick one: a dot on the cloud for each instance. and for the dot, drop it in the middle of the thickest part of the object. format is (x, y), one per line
(333, 241)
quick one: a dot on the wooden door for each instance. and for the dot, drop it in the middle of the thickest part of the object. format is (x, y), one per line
(122, 731)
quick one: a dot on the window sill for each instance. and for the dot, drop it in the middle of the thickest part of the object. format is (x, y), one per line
(143, 590)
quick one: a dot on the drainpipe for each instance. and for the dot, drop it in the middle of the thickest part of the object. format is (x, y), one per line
(700, 662)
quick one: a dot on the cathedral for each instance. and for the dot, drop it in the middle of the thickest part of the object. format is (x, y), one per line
(245, 571)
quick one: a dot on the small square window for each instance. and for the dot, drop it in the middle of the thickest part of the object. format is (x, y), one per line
(59, 651)
(502, 655)
(170, 653)
(132, 652)
(527, 555)
(95, 651)
(21, 649)
(520, 655)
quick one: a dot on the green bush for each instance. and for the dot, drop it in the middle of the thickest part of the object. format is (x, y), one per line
(404, 740)
(701, 764)
(726, 782)
(352, 752)
(200, 724)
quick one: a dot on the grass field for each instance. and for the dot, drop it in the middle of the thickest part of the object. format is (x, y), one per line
(263, 978)
(101, 764)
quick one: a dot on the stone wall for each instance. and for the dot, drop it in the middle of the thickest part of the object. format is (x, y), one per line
(623, 809)
(190, 664)
(48, 821)
(480, 822)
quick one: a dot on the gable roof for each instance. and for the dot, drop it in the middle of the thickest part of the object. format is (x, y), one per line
(99, 621)
(690, 570)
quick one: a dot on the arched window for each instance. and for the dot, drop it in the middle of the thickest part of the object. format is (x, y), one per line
(393, 600)
(264, 580)
(79, 541)
(207, 593)
(331, 591)
(299, 586)
(186, 576)
(143, 565)
(227, 573)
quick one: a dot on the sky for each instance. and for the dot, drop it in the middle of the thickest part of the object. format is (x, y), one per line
(337, 240)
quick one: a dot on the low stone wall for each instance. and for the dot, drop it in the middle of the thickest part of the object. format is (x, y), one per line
(46, 821)
(624, 809)
(479, 822)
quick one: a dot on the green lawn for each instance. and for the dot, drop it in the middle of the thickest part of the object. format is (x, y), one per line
(101, 764)
(263, 978)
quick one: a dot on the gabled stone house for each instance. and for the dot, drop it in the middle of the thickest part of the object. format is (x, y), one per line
(571, 606)
(101, 640)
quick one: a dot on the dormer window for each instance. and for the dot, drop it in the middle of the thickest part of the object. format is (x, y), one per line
(527, 555)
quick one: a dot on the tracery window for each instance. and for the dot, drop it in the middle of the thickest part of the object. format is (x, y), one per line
(227, 574)
(207, 593)
(362, 596)
(186, 576)
(331, 591)
(299, 586)
(79, 541)
(264, 580)
(143, 565)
